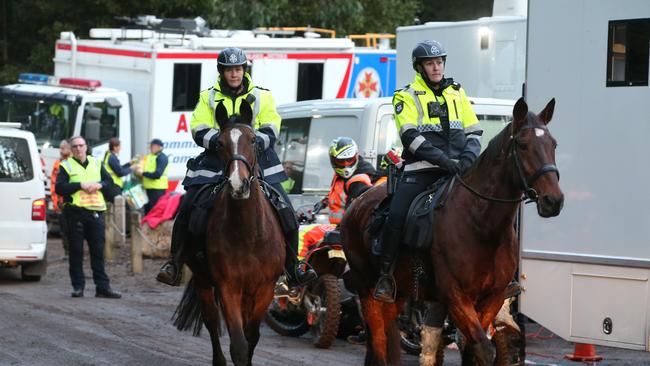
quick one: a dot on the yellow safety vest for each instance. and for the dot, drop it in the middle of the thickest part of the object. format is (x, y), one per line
(150, 167)
(117, 180)
(90, 174)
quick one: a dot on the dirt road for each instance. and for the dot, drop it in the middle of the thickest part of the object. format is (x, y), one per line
(40, 324)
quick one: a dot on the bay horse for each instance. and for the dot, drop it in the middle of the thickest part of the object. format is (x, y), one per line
(243, 254)
(474, 253)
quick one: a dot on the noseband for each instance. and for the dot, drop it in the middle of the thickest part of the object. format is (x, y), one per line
(530, 194)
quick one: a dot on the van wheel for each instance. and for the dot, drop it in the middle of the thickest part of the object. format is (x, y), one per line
(28, 278)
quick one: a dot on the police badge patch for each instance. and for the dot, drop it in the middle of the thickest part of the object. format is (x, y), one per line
(233, 58)
(399, 107)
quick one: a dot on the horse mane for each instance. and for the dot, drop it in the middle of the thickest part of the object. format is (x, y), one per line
(495, 148)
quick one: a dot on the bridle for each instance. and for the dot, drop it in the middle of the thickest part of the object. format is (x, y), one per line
(530, 194)
(242, 158)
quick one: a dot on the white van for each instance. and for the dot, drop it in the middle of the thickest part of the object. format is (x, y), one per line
(309, 127)
(22, 193)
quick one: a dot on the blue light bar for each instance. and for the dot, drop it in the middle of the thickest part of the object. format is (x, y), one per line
(30, 78)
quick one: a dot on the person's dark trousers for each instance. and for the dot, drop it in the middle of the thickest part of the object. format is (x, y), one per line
(89, 225)
(153, 195)
(63, 227)
(181, 227)
(290, 260)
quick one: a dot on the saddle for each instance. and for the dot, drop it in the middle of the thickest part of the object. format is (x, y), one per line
(204, 201)
(418, 230)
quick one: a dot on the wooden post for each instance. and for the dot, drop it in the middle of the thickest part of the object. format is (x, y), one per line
(119, 220)
(136, 243)
(108, 232)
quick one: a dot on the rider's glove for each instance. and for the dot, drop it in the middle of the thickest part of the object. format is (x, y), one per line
(464, 165)
(452, 167)
(259, 142)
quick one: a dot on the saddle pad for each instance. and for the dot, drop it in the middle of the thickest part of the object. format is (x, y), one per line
(418, 230)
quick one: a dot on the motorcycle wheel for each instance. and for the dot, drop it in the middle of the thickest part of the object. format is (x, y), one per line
(328, 314)
(290, 322)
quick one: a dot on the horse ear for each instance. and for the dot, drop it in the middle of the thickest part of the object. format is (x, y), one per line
(221, 115)
(246, 112)
(547, 113)
(519, 114)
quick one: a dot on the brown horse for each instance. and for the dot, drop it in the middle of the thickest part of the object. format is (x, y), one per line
(243, 252)
(475, 250)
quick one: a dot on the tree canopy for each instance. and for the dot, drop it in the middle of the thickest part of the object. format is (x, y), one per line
(29, 28)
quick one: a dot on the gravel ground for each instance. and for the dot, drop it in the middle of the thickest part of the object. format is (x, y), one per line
(40, 324)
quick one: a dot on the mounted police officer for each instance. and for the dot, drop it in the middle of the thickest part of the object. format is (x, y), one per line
(441, 136)
(233, 86)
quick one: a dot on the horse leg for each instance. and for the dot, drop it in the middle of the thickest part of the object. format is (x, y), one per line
(488, 310)
(376, 352)
(231, 305)
(212, 322)
(393, 348)
(478, 349)
(252, 329)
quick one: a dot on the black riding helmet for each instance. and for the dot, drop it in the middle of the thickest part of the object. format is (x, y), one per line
(231, 56)
(425, 50)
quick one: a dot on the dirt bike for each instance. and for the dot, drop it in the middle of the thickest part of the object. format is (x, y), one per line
(317, 307)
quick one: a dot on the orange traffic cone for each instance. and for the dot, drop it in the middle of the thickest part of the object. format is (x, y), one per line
(584, 352)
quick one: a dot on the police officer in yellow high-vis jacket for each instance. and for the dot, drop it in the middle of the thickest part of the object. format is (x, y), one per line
(441, 136)
(80, 181)
(154, 173)
(233, 85)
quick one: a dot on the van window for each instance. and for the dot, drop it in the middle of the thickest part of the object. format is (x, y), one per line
(100, 123)
(291, 147)
(491, 124)
(387, 136)
(310, 81)
(318, 171)
(187, 85)
(15, 160)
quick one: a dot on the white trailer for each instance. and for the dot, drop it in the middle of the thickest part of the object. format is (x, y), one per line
(586, 271)
(487, 56)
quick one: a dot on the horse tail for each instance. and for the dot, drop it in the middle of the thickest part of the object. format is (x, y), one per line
(188, 313)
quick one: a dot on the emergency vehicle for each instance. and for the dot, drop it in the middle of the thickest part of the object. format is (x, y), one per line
(139, 84)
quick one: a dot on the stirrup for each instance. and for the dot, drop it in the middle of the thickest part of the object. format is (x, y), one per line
(385, 289)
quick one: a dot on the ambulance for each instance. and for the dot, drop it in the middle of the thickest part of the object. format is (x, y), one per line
(140, 84)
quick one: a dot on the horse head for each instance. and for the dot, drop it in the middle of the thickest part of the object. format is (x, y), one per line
(237, 148)
(532, 148)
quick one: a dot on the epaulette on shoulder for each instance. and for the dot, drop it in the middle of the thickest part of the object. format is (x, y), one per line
(455, 85)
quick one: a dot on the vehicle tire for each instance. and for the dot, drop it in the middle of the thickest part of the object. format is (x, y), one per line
(409, 329)
(291, 322)
(326, 328)
(27, 277)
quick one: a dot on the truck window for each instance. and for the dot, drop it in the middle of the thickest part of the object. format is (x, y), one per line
(100, 123)
(187, 85)
(310, 81)
(49, 121)
(318, 171)
(627, 52)
(15, 160)
(291, 147)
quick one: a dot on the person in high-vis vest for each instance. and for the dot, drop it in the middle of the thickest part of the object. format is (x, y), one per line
(80, 181)
(352, 176)
(154, 173)
(441, 136)
(112, 162)
(233, 85)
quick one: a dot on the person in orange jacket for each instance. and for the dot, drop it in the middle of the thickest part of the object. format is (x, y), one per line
(352, 177)
(64, 153)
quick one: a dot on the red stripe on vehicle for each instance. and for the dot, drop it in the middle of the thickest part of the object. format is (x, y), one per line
(105, 51)
(344, 86)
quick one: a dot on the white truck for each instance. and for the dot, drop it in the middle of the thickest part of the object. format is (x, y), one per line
(586, 272)
(487, 56)
(139, 84)
(309, 127)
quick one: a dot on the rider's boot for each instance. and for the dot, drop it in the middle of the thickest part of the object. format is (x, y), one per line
(386, 288)
(298, 272)
(170, 272)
